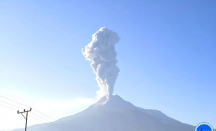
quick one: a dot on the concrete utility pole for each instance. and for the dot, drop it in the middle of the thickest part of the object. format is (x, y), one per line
(26, 117)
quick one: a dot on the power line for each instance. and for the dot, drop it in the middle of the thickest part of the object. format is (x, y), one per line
(50, 123)
(53, 119)
(32, 112)
(8, 107)
(59, 123)
(44, 120)
(15, 101)
(11, 104)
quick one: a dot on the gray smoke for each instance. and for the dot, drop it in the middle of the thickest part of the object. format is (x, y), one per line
(101, 52)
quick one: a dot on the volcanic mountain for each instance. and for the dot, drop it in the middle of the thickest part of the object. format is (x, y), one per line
(116, 114)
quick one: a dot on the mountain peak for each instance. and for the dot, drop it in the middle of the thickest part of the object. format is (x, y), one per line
(111, 98)
(113, 102)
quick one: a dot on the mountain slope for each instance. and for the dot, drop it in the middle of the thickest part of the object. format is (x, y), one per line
(115, 114)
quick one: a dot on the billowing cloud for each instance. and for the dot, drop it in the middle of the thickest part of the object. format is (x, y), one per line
(101, 52)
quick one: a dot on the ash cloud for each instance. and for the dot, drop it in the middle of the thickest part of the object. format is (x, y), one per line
(101, 52)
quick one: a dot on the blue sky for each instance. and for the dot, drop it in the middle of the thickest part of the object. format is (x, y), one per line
(166, 54)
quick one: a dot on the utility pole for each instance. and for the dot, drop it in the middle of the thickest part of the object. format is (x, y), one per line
(26, 117)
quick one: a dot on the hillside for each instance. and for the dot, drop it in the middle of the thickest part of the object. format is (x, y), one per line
(117, 114)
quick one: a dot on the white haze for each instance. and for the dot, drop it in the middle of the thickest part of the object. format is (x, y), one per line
(54, 107)
(101, 52)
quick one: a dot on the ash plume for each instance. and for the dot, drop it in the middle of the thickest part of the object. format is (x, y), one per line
(101, 52)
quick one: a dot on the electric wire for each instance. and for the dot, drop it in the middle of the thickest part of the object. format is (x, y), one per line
(11, 104)
(50, 123)
(34, 113)
(53, 119)
(8, 107)
(47, 121)
(53, 122)
(14, 101)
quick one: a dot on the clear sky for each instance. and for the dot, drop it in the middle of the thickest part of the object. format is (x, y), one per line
(166, 56)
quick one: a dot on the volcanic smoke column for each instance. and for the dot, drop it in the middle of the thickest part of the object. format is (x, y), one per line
(101, 52)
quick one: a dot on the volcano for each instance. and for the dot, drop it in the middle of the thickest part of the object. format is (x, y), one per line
(116, 114)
